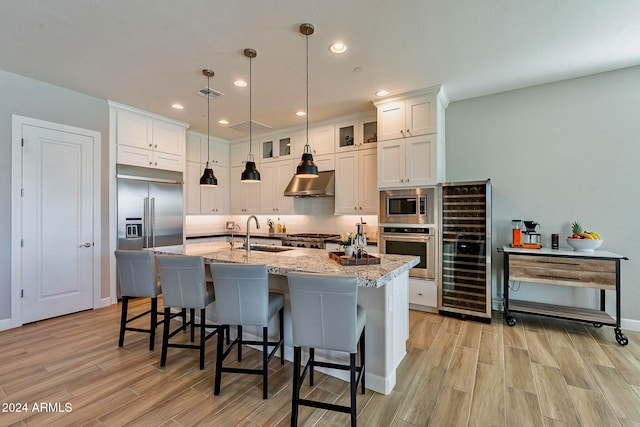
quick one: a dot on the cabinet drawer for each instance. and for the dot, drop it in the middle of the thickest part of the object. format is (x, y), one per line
(591, 273)
(423, 292)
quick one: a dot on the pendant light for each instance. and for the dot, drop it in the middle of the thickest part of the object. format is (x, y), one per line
(250, 173)
(208, 179)
(307, 168)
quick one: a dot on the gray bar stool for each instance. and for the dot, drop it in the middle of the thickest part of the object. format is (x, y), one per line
(325, 314)
(243, 299)
(184, 286)
(138, 279)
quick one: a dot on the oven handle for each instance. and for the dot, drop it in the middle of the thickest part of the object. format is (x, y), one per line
(406, 237)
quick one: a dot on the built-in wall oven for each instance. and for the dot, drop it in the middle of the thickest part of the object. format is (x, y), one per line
(410, 240)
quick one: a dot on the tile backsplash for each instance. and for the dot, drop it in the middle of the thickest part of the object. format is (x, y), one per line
(315, 216)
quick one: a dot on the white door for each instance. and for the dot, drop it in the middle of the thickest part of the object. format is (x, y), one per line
(57, 223)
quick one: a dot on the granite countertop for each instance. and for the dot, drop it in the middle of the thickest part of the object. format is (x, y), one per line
(299, 259)
(276, 236)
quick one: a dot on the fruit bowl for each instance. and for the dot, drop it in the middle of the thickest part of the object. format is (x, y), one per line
(584, 245)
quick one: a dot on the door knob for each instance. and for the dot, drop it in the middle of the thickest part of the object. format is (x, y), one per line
(86, 245)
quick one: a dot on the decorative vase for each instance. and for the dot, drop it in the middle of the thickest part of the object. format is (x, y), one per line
(348, 251)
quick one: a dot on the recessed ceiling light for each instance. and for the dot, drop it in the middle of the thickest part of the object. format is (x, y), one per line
(177, 106)
(301, 113)
(240, 83)
(338, 47)
(382, 92)
(223, 122)
(357, 69)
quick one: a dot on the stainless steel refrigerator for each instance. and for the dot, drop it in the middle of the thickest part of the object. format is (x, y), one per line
(150, 207)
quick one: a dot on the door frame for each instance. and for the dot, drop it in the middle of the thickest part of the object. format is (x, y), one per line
(17, 122)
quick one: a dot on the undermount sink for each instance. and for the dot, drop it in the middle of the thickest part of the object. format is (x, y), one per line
(266, 248)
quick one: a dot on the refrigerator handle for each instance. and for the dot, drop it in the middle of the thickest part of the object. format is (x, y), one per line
(145, 222)
(152, 220)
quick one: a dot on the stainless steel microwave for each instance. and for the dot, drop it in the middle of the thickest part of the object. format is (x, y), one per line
(408, 206)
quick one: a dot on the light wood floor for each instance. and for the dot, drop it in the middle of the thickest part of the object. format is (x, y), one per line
(542, 372)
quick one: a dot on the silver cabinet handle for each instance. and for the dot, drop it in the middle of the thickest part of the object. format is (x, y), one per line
(86, 245)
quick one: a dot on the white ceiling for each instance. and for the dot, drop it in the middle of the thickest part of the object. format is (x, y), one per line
(149, 53)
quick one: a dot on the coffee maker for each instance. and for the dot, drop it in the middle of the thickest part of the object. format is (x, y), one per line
(530, 237)
(525, 236)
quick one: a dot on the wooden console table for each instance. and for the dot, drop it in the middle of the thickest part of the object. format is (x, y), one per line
(596, 270)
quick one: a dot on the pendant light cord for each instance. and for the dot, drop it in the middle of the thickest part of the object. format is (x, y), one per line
(307, 148)
(208, 119)
(250, 109)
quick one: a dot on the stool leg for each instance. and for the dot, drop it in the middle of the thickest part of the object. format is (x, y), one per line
(312, 358)
(192, 314)
(154, 322)
(281, 320)
(362, 359)
(265, 362)
(202, 337)
(297, 355)
(123, 320)
(219, 356)
(165, 335)
(239, 343)
(183, 314)
(353, 387)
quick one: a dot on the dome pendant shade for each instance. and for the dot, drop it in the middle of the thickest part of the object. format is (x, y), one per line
(250, 173)
(208, 178)
(307, 168)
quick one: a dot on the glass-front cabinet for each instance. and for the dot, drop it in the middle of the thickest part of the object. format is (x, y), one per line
(276, 148)
(356, 134)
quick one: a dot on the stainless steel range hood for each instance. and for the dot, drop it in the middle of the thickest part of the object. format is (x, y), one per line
(322, 186)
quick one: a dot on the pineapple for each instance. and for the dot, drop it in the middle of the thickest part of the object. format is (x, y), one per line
(576, 228)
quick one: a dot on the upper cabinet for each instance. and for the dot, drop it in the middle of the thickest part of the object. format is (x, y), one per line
(321, 140)
(356, 190)
(278, 147)
(144, 139)
(199, 148)
(411, 136)
(356, 134)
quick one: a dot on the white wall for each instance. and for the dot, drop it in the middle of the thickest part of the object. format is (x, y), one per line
(557, 153)
(31, 98)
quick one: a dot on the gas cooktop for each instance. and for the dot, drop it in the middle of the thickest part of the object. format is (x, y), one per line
(308, 240)
(314, 235)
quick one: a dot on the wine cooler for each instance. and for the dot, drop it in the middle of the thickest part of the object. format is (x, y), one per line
(464, 278)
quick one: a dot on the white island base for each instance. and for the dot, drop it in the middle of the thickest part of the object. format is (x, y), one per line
(386, 332)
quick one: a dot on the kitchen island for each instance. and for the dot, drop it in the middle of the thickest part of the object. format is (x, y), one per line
(382, 292)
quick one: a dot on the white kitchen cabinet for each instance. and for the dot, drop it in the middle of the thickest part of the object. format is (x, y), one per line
(404, 118)
(423, 294)
(244, 198)
(275, 148)
(356, 190)
(409, 162)
(356, 134)
(197, 150)
(147, 140)
(321, 141)
(240, 150)
(326, 162)
(275, 178)
(192, 175)
(215, 200)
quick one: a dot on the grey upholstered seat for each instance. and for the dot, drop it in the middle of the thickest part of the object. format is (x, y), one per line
(325, 314)
(184, 286)
(137, 277)
(243, 299)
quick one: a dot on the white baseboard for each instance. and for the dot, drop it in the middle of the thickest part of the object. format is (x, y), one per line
(5, 324)
(105, 302)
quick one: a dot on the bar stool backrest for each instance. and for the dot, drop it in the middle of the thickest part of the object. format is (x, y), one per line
(242, 294)
(137, 274)
(183, 283)
(323, 311)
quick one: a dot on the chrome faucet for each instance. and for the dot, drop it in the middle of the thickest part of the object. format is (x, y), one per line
(232, 241)
(248, 242)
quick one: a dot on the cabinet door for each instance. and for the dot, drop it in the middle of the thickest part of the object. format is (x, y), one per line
(367, 184)
(326, 162)
(347, 137)
(321, 140)
(220, 152)
(368, 132)
(194, 148)
(391, 121)
(391, 163)
(172, 162)
(268, 149)
(168, 138)
(192, 187)
(239, 152)
(420, 115)
(214, 199)
(134, 130)
(420, 161)
(346, 199)
(284, 171)
(268, 176)
(135, 156)
(244, 197)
